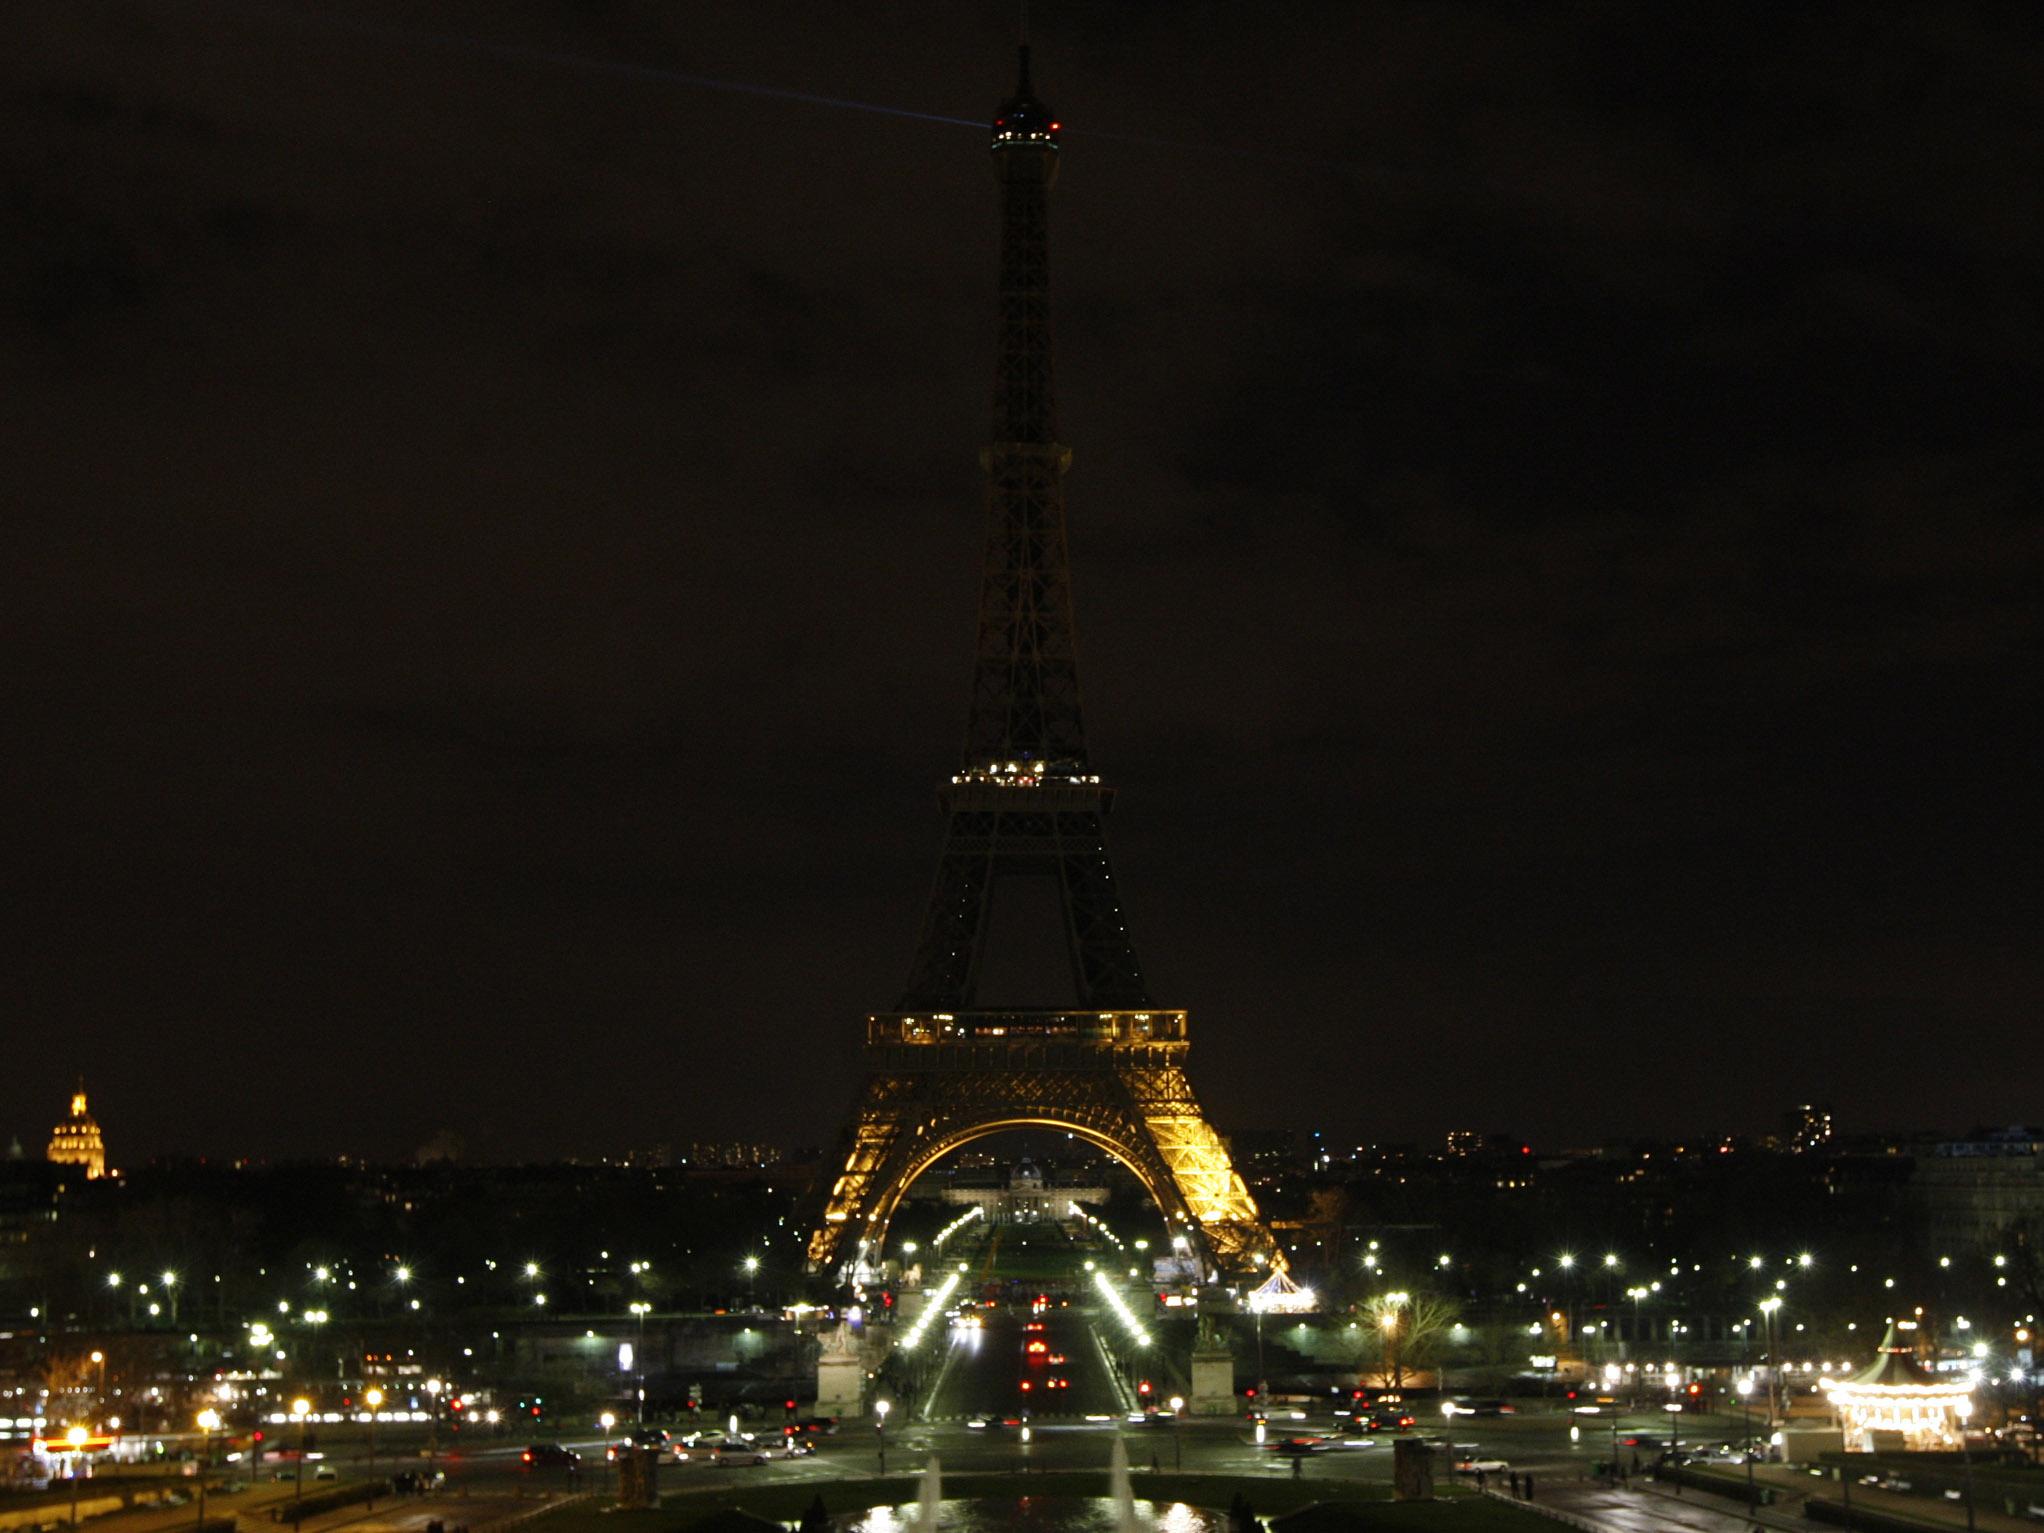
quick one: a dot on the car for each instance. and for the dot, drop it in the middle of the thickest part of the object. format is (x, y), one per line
(648, 1437)
(324, 1472)
(993, 1423)
(1388, 1421)
(549, 1456)
(1297, 1447)
(714, 1437)
(791, 1447)
(1481, 1465)
(1478, 1408)
(817, 1426)
(734, 1453)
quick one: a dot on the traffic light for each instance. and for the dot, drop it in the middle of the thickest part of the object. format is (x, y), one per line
(1143, 1388)
(789, 1407)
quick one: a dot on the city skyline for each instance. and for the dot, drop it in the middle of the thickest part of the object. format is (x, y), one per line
(1554, 561)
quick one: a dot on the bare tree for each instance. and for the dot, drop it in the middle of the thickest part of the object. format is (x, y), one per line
(1403, 1333)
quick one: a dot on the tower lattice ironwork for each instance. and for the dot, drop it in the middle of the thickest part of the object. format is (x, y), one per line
(941, 1070)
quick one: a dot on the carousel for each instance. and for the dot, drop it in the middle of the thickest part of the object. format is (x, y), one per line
(1898, 1403)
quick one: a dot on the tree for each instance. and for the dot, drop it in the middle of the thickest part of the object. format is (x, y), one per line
(1402, 1333)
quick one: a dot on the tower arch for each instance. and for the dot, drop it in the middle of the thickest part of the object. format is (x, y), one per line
(1155, 1178)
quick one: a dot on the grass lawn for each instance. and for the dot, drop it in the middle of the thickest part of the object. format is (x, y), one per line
(1458, 1511)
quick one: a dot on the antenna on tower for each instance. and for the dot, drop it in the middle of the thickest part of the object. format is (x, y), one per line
(1023, 49)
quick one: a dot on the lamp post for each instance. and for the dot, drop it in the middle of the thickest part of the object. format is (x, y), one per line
(639, 1309)
(880, 1410)
(77, 1438)
(208, 1424)
(607, 1421)
(1177, 1450)
(373, 1398)
(1768, 1306)
(1964, 1407)
(1745, 1388)
(301, 1408)
(1262, 1387)
(1567, 1262)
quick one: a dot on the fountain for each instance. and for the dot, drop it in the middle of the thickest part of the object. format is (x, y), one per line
(1122, 1492)
(929, 1497)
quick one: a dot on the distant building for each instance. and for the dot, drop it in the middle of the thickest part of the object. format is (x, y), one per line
(76, 1141)
(1464, 1141)
(1026, 1193)
(732, 1154)
(1968, 1192)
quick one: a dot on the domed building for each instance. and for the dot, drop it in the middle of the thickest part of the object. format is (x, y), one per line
(76, 1141)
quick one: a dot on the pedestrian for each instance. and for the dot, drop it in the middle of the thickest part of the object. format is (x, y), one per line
(1513, 1478)
(1528, 1483)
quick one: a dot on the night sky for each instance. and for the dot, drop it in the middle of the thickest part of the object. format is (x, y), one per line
(492, 523)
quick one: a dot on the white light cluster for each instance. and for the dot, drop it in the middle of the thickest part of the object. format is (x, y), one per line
(1121, 1310)
(972, 1213)
(932, 1308)
(1100, 1226)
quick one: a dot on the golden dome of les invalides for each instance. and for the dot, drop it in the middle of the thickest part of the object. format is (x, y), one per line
(76, 1141)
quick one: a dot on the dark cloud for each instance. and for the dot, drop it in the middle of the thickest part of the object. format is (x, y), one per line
(492, 528)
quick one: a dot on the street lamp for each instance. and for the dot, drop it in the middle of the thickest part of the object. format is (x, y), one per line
(208, 1424)
(373, 1398)
(1768, 1306)
(751, 1272)
(77, 1437)
(880, 1410)
(1745, 1388)
(1964, 1406)
(300, 1409)
(639, 1308)
(1177, 1451)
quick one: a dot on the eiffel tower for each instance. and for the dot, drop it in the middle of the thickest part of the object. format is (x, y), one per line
(942, 1071)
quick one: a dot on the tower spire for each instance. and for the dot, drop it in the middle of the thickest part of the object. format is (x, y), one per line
(1025, 800)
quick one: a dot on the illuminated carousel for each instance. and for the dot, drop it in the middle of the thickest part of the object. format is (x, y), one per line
(1898, 1403)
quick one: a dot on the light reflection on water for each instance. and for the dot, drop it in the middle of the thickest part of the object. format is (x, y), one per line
(1036, 1514)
